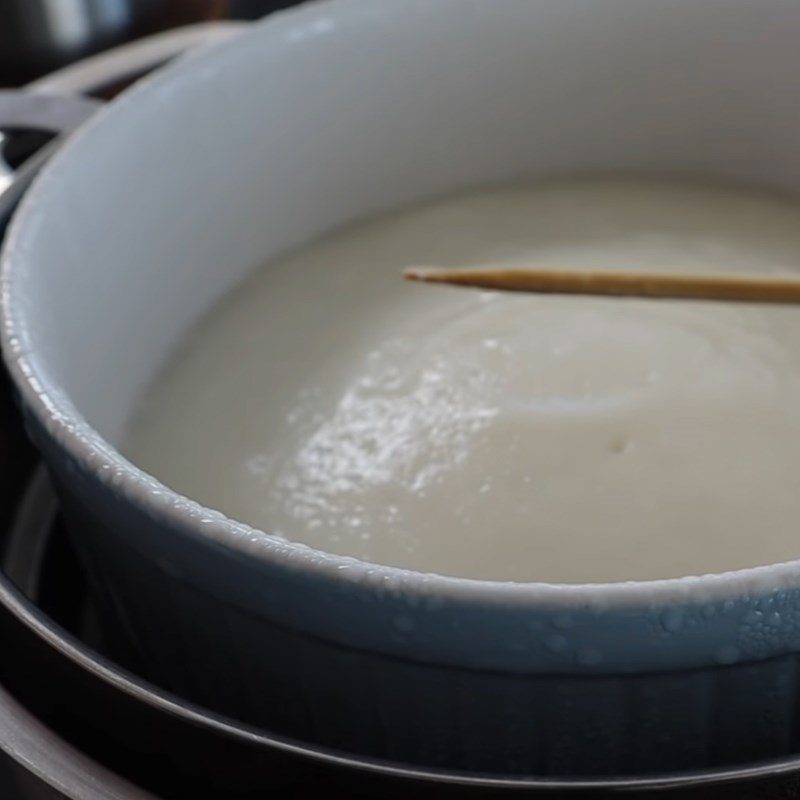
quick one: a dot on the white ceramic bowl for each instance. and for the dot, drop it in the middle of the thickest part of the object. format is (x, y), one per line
(315, 118)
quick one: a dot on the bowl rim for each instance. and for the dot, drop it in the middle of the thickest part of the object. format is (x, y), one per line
(84, 446)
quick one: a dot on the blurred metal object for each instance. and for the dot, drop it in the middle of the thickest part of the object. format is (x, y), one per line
(54, 105)
(39, 112)
(251, 9)
(37, 36)
(43, 766)
(54, 113)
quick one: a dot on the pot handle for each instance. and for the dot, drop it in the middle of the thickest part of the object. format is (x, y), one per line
(58, 103)
(26, 111)
(22, 110)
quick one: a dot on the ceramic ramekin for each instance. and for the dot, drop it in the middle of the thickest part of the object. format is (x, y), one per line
(315, 118)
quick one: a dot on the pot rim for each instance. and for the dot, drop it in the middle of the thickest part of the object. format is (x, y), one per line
(63, 423)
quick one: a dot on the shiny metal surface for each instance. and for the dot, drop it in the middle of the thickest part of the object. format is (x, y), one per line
(53, 114)
(48, 767)
(56, 103)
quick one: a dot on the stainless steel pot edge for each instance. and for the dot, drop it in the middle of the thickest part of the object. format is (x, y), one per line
(50, 113)
(58, 103)
(59, 765)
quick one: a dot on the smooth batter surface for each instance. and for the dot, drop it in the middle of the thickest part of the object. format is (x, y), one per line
(503, 436)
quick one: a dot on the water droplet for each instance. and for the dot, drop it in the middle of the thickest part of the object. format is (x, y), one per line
(589, 655)
(727, 655)
(413, 600)
(619, 444)
(562, 621)
(728, 605)
(773, 619)
(556, 643)
(434, 603)
(672, 620)
(404, 623)
(753, 617)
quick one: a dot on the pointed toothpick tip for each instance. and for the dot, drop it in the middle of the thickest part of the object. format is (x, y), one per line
(414, 273)
(428, 274)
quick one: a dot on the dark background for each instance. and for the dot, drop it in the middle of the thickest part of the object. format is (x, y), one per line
(38, 36)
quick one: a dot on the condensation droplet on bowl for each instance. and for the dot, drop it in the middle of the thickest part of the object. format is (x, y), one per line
(434, 603)
(413, 600)
(404, 623)
(773, 619)
(562, 621)
(753, 617)
(727, 655)
(556, 643)
(589, 655)
(619, 444)
(672, 620)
